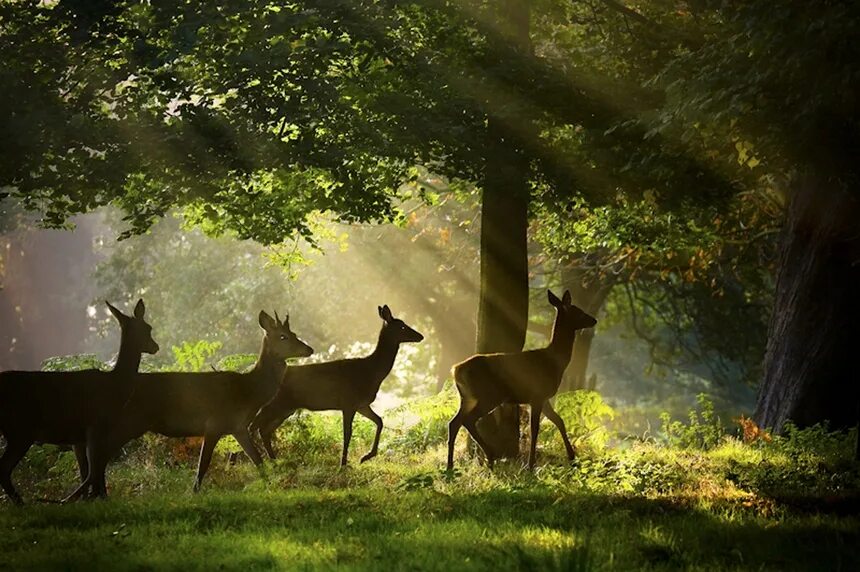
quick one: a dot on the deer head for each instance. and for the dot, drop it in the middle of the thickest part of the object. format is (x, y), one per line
(135, 329)
(280, 342)
(570, 317)
(396, 330)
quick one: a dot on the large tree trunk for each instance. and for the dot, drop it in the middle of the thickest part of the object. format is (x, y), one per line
(504, 297)
(590, 295)
(811, 364)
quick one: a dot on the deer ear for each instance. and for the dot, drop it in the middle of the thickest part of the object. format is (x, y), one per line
(385, 313)
(116, 313)
(566, 298)
(553, 299)
(139, 309)
(266, 321)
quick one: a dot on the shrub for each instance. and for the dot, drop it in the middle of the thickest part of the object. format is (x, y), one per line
(704, 430)
(192, 356)
(423, 423)
(585, 414)
(74, 363)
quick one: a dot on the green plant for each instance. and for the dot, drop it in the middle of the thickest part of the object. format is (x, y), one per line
(423, 423)
(74, 363)
(236, 362)
(704, 430)
(192, 356)
(586, 415)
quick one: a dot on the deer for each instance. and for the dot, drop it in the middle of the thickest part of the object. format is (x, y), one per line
(69, 407)
(485, 381)
(199, 404)
(346, 385)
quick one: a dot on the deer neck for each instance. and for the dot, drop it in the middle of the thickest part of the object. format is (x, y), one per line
(561, 343)
(128, 360)
(383, 355)
(269, 367)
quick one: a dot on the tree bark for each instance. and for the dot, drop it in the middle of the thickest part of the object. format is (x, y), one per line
(503, 303)
(590, 295)
(811, 365)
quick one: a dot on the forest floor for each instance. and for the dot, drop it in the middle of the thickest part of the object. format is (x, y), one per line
(643, 506)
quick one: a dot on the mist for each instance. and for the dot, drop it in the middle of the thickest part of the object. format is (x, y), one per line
(200, 288)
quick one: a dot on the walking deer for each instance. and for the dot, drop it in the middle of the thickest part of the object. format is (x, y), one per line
(69, 408)
(347, 385)
(205, 404)
(532, 377)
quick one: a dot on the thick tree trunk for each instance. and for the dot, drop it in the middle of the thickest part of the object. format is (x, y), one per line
(590, 295)
(503, 304)
(811, 364)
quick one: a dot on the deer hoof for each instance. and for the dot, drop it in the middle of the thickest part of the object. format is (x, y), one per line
(368, 457)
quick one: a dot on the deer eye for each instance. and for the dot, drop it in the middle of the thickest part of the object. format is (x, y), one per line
(283, 337)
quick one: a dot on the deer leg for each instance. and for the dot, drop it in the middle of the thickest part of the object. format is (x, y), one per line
(15, 451)
(347, 434)
(247, 444)
(535, 427)
(559, 422)
(469, 420)
(81, 456)
(97, 455)
(371, 414)
(209, 442)
(267, 430)
(453, 428)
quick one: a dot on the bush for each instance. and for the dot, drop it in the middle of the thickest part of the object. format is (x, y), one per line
(704, 430)
(74, 363)
(585, 414)
(192, 356)
(423, 423)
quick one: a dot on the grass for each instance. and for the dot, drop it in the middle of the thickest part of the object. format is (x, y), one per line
(643, 506)
(701, 501)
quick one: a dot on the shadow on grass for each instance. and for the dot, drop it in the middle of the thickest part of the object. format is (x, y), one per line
(380, 529)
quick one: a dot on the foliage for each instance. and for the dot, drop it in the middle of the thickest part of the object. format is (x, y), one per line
(236, 362)
(585, 414)
(423, 422)
(192, 356)
(704, 430)
(74, 363)
(751, 432)
(196, 287)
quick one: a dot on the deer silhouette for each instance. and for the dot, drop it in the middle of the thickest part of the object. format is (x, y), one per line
(69, 408)
(347, 385)
(204, 404)
(532, 377)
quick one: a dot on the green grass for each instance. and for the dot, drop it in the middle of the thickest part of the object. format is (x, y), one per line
(701, 501)
(639, 506)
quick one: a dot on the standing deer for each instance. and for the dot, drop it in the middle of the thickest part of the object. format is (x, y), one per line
(69, 407)
(347, 385)
(204, 404)
(532, 377)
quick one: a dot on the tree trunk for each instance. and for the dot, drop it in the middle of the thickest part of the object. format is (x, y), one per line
(590, 295)
(811, 365)
(504, 297)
